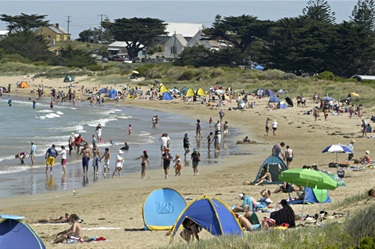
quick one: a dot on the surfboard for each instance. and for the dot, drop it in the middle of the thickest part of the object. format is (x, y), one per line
(11, 217)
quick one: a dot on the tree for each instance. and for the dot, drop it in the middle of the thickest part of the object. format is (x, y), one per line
(302, 45)
(239, 32)
(28, 45)
(76, 57)
(195, 56)
(89, 35)
(364, 14)
(136, 32)
(202, 57)
(319, 10)
(352, 50)
(24, 22)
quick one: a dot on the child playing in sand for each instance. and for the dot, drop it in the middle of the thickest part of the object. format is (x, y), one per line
(178, 165)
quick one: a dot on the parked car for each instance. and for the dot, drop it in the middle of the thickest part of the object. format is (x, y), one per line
(105, 59)
(118, 58)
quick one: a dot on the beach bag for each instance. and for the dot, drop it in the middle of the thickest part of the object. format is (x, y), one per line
(332, 165)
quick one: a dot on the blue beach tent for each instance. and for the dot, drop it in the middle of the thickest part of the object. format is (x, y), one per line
(268, 93)
(167, 96)
(314, 196)
(212, 215)
(103, 90)
(112, 93)
(274, 99)
(161, 209)
(184, 90)
(275, 165)
(17, 234)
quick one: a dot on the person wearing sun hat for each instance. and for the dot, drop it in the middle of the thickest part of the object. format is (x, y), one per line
(351, 147)
(119, 164)
(366, 158)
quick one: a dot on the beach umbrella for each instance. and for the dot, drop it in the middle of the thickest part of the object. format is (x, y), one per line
(328, 98)
(308, 178)
(337, 148)
(135, 72)
(354, 94)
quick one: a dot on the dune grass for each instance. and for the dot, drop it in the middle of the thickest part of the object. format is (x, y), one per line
(237, 78)
(357, 230)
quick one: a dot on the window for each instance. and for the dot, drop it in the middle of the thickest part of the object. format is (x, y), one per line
(173, 50)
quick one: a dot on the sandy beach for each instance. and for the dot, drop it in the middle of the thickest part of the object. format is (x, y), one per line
(113, 208)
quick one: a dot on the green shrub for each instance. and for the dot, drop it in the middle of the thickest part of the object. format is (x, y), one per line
(186, 75)
(326, 75)
(288, 76)
(95, 68)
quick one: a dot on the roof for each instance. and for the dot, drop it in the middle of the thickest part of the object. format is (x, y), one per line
(364, 77)
(185, 29)
(57, 30)
(120, 44)
(179, 38)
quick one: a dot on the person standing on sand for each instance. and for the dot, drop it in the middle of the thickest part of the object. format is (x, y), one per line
(268, 120)
(144, 163)
(274, 127)
(221, 115)
(186, 145)
(325, 114)
(277, 150)
(195, 158)
(167, 158)
(51, 154)
(178, 165)
(316, 113)
(288, 156)
(96, 158)
(351, 147)
(63, 159)
(85, 152)
(119, 164)
(32, 153)
(107, 157)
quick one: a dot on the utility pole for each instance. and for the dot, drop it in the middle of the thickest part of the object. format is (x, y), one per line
(68, 21)
(101, 28)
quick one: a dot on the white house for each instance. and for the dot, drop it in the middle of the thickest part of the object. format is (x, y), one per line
(174, 46)
(117, 47)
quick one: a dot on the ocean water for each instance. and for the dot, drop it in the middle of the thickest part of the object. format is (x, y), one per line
(20, 124)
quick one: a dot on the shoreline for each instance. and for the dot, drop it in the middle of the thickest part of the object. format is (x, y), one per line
(118, 203)
(75, 181)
